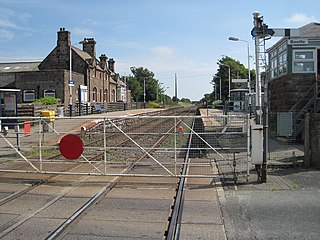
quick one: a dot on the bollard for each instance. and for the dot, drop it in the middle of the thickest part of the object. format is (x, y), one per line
(83, 132)
(5, 130)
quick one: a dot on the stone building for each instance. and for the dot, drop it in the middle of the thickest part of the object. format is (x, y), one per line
(294, 69)
(293, 79)
(68, 73)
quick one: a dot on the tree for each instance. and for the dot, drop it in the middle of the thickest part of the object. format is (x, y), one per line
(208, 99)
(237, 71)
(185, 100)
(141, 78)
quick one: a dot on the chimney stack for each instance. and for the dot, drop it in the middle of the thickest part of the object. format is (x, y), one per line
(63, 40)
(103, 61)
(89, 46)
(111, 64)
(63, 50)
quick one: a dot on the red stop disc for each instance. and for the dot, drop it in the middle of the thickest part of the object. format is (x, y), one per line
(71, 146)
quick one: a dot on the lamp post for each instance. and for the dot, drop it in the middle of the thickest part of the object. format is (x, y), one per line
(71, 81)
(214, 85)
(219, 87)
(144, 92)
(229, 73)
(249, 77)
(158, 85)
(71, 84)
(164, 91)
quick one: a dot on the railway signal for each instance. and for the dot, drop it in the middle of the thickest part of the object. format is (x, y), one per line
(71, 146)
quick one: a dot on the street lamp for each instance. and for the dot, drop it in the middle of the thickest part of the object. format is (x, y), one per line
(159, 84)
(249, 77)
(144, 92)
(164, 96)
(71, 81)
(219, 86)
(221, 64)
(214, 85)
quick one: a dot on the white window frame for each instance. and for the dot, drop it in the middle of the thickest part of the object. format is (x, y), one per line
(274, 68)
(49, 93)
(29, 95)
(282, 61)
(303, 61)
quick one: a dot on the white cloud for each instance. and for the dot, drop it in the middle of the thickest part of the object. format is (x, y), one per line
(7, 24)
(24, 17)
(5, 35)
(83, 32)
(162, 52)
(300, 19)
(89, 21)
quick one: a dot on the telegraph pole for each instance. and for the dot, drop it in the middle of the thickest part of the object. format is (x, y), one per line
(175, 87)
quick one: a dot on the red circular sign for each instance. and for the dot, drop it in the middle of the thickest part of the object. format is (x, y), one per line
(71, 146)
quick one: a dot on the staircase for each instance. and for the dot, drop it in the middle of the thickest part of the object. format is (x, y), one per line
(304, 105)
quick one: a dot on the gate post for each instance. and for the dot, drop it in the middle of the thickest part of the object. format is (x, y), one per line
(307, 140)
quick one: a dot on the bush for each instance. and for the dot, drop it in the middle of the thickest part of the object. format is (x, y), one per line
(46, 101)
(216, 103)
(154, 105)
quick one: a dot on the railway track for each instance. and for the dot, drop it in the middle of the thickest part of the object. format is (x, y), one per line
(119, 182)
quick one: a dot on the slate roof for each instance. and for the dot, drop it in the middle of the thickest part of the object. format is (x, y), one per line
(84, 55)
(12, 67)
(310, 30)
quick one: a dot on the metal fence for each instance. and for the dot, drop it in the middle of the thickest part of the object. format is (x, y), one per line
(283, 148)
(111, 144)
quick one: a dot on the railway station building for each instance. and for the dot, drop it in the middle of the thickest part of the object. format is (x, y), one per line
(294, 70)
(92, 80)
(294, 86)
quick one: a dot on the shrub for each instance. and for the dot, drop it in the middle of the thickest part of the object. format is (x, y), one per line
(153, 105)
(46, 101)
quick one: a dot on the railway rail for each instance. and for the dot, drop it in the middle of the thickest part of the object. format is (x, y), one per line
(145, 160)
(128, 169)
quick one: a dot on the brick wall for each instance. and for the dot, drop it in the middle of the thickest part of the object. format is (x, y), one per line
(286, 91)
(48, 80)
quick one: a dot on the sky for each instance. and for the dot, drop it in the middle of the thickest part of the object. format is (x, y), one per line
(168, 37)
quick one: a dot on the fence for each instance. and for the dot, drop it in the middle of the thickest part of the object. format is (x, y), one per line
(111, 143)
(283, 150)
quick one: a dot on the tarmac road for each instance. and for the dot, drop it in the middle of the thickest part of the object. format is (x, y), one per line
(286, 207)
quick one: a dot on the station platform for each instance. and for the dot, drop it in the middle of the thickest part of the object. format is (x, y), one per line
(64, 125)
(212, 118)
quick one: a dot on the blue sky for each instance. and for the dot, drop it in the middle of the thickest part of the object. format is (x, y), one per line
(185, 37)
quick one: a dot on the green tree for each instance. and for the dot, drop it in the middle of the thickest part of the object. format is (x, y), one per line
(208, 99)
(185, 100)
(237, 71)
(141, 78)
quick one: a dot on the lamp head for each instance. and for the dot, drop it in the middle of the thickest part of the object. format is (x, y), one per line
(233, 39)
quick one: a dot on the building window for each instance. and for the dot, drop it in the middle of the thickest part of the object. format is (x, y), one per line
(113, 96)
(282, 64)
(105, 95)
(303, 61)
(49, 93)
(274, 68)
(29, 95)
(94, 94)
(303, 66)
(282, 48)
(303, 55)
